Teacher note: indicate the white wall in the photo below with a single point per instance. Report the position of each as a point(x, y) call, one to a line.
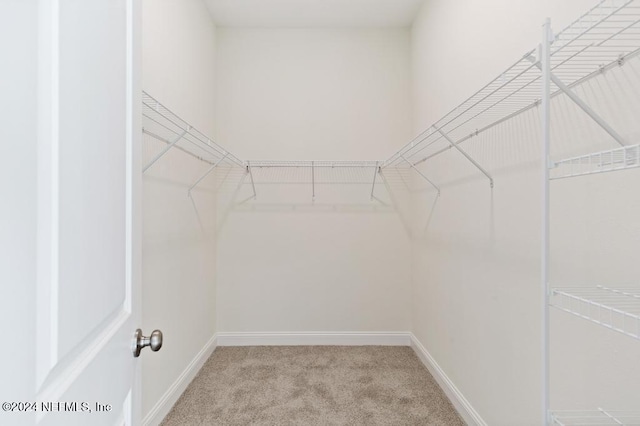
point(285, 264)
point(18, 175)
point(179, 233)
point(476, 268)
point(313, 93)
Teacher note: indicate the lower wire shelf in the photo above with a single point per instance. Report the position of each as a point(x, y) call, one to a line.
point(616, 309)
point(626, 157)
point(597, 417)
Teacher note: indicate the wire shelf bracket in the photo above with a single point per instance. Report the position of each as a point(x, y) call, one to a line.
point(313, 182)
point(421, 174)
point(467, 156)
point(582, 105)
point(253, 184)
point(166, 149)
point(375, 174)
point(206, 174)
point(251, 197)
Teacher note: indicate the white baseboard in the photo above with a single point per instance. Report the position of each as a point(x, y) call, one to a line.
point(315, 339)
point(461, 404)
point(171, 396)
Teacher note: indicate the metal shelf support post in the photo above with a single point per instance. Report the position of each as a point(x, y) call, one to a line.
point(545, 66)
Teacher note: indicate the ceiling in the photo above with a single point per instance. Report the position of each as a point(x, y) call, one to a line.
point(314, 13)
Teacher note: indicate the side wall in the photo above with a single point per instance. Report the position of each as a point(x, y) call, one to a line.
point(476, 266)
point(179, 249)
point(341, 263)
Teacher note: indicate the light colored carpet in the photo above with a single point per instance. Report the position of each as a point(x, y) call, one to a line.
point(313, 385)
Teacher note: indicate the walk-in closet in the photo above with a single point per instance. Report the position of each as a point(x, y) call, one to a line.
point(310, 212)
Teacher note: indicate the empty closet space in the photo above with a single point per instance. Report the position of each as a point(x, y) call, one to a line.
point(371, 173)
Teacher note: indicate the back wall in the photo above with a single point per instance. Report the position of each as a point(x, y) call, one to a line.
point(285, 263)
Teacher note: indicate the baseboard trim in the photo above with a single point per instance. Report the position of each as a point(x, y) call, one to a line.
point(461, 404)
point(315, 339)
point(171, 396)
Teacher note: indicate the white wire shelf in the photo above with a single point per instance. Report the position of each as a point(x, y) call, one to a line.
point(160, 123)
point(313, 172)
point(604, 37)
point(626, 157)
point(311, 163)
point(616, 309)
point(598, 417)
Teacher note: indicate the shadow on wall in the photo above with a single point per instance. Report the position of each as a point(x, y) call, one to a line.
point(278, 193)
point(170, 214)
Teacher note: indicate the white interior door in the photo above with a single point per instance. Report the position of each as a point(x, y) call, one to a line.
point(83, 309)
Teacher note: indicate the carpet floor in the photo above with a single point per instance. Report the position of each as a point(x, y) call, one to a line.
point(313, 385)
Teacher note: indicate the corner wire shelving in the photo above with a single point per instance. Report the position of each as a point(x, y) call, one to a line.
point(160, 123)
point(604, 37)
point(163, 125)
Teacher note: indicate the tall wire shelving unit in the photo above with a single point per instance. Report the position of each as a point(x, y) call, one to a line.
point(605, 37)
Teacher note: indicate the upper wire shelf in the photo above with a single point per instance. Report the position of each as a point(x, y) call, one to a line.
point(313, 172)
point(616, 309)
point(626, 157)
point(329, 164)
point(162, 124)
point(602, 38)
point(598, 417)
